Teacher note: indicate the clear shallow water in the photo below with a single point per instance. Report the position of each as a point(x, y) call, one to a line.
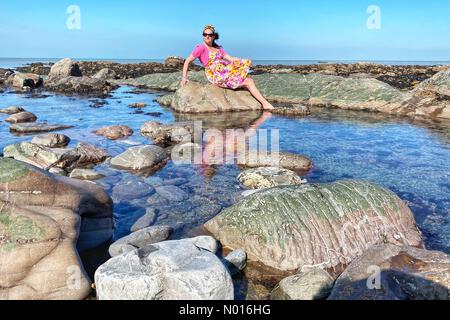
point(410, 158)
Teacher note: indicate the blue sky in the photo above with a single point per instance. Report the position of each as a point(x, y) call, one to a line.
point(297, 29)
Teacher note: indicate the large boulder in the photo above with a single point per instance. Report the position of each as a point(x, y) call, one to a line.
point(42, 218)
point(389, 272)
point(328, 225)
point(174, 62)
point(38, 255)
point(170, 270)
point(140, 158)
point(105, 74)
point(199, 98)
point(64, 68)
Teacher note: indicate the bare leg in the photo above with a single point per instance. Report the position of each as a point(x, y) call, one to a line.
point(250, 85)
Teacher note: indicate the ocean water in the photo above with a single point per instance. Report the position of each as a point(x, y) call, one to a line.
point(12, 63)
point(409, 157)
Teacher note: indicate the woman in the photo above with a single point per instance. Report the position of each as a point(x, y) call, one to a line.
point(221, 69)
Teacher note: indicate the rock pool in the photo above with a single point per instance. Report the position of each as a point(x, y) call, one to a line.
point(412, 158)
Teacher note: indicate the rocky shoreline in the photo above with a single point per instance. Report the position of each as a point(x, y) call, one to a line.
point(322, 241)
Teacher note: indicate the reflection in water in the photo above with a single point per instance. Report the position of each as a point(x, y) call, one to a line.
point(409, 157)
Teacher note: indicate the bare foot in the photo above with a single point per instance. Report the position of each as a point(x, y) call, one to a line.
point(268, 106)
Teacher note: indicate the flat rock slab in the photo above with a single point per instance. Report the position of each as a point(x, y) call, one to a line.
point(21, 117)
point(170, 270)
point(85, 174)
point(286, 160)
point(27, 128)
point(12, 110)
point(388, 272)
point(291, 227)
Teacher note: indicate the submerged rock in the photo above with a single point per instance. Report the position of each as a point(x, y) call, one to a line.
point(145, 221)
point(27, 128)
point(291, 227)
point(292, 110)
point(42, 218)
point(285, 160)
point(268, 177)
point(138, 105)
point(170, 270)
point(51, 140)
point(171, 193)
point(315, 284)
point(140, 239)
point(21, 117)
point(140, 158)
point(115, 132)
point(389, 272)
point(85, 174)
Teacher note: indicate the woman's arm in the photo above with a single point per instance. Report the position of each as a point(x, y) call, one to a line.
point(188, 61)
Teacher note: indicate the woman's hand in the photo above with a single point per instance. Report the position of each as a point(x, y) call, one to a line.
point(184, 81)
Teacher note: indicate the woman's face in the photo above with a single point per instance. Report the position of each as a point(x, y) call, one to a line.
point(209, 36)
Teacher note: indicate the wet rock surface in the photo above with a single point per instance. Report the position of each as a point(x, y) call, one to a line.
point(268, 177)
point(388, 272)
point(291, 227)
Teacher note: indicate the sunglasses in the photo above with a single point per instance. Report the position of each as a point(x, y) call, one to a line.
point(208, 35)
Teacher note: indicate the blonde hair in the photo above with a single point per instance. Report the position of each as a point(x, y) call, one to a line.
point(216, 35)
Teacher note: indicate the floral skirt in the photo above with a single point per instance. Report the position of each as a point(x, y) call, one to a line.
point(228, 74)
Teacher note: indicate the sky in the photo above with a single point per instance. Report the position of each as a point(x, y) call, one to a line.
point(409, 30)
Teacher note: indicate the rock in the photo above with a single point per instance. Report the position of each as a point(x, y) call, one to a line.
point(12, 110)
point(85, 174)
point(20, 80)
point(315, 284)
point(285, 160)
point(292, 110)
point(140, 239)
point(58, 171)
point(46, 216)
point(291, 227)
point(45, 158)
point(27, 128)
point(51, 140)
point(206, 242)
point(170, 270)
point(105, 74)
point(140, 158)
point(388, 272)
point(199, 98)
point(21, 117)
point(268, 177)
point(438, 84)
point(115, 132)
point(64, 68)
point(137, 105)
point(80, 85)
point(172, 193)
point(166, 134)
point(237, 258)
point(174, 62)
point(131, 190)
point(165, 100)
point(145, 221)
point(34, 154)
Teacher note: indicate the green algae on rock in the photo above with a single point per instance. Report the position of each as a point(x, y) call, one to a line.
point(327, 225)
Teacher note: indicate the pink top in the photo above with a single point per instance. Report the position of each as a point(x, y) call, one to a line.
point(201, 51)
